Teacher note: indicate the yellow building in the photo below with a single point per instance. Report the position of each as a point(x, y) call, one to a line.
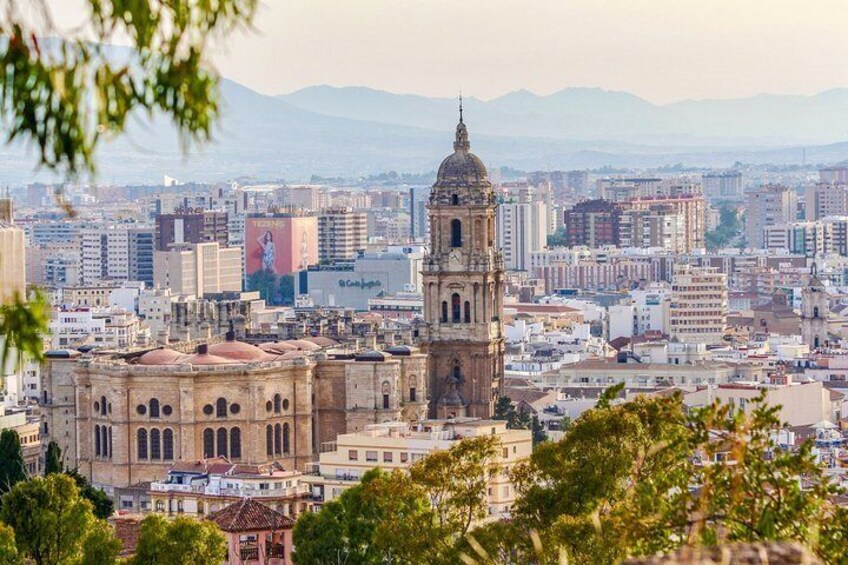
point(398, 445)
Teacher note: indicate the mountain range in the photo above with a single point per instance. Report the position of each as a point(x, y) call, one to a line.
point(356, 131)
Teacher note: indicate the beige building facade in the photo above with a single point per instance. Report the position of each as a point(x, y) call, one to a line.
point(199, 269)
point(698, 312)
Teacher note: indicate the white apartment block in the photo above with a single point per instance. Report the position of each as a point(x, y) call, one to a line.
point(342, 233)
point(102, 327)
point(397, 445)
point(522, 229)
point(825, 199)
point(698, 311)
point(199, 269)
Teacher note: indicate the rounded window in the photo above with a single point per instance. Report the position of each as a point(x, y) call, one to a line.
point(109, 406)
point(286, 404)
point(141, 409)
point(167, 410)
point(96, 406)
point(269, 406)
point(208, 409)
point(235, 408)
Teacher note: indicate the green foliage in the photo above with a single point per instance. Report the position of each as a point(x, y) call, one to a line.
point(180, 541)
point(53, 525)
point(558, 238)
point(66, 96)
point(519, 419)
point(12, 467)
point(53, 459)
point(729, 227)
point(264, 281)
point(388, 517)
point(8, 551)
point(22, 324)
point(102, 504)
point(287, 289)
point(383, 518)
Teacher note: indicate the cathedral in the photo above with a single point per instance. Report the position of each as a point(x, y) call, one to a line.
point(463, 288)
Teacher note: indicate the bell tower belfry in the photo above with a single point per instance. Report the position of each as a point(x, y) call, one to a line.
point(463, 288)
point(815, 309)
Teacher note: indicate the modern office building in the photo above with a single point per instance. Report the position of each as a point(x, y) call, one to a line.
point(189, 225)
point(199, 269)
point(342, 233)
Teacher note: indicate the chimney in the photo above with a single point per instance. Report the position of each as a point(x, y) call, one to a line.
point(203, 349)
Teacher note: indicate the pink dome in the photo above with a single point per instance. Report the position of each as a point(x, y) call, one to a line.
point(293, 355)
point(239, 351)
point(198, 359)
point(321, 341)
point(161, 357)
point(277, 347)
point(305, 345)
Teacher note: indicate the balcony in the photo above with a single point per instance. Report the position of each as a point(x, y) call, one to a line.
point(276, 551)
point(248, 551)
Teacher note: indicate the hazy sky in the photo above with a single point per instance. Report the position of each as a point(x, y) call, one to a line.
point(662, 50)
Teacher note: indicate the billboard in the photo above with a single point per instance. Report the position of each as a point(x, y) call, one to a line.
point(276, 246)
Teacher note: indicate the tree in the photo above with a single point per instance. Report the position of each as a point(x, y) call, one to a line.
point(558, 238)
point(264, 281)
point(53, 459)
point(539, 433)
point(102, 504)
point(53, 525)
point(65, 96)
point(12, 467)
point(180, 541)
point(456, 481)
point(385, 518)
point(8, 551)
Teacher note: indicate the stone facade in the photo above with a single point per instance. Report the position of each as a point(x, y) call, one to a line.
point(815, 309)
point(463, 288)
point(125, 419)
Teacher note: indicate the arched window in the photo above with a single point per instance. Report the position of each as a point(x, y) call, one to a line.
point(102, 405)
point(154, 407)
point(456, 371)
point(815, 311)
point(456, 233)
point(235, 443)
point(269, 440)
point(278, 439)
point(97, 441)
point(277, 401)
point(816, 342)
point(221, 408)
point(412, 395)
point(104, 441)
point(110, 442)
point(141, 440)
point(168, 444)
point(155, 444)
point(467, 318)
point(208, 443)
point(455, 199)
point(456, 307)
point(286, 441)
point(222, 442)
point(444, 311)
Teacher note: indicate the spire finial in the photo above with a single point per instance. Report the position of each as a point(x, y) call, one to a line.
point(460, 105)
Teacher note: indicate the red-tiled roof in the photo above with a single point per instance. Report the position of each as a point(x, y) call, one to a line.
point(247, 515)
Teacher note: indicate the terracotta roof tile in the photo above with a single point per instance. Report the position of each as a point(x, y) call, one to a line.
point(247, 515)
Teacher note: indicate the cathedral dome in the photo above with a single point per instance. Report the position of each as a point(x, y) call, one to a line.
point(462, 166)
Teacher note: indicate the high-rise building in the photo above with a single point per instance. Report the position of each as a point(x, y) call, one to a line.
point(593, 223)
point(341, 234)
point(698, 312)
point(188, 225)
point(12, 262)
point(767, 205)
point(463, 288)
point(723, 186)
point(659, 226)
point(826, 199)
point(522, 228)
point(837, 174)
point(140, 243)
point(691, 208)
point(199, 269)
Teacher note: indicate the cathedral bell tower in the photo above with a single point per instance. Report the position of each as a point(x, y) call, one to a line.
point(815, 309)
point(463, 288)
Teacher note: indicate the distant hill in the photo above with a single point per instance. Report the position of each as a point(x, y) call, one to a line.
point(594, 113)
point(354, 132)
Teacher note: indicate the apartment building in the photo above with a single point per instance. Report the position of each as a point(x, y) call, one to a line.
point(397, 445)
point(342, 233)
point(199, 269)
point(698, 311)
point(768, 205)
point(522, 227)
